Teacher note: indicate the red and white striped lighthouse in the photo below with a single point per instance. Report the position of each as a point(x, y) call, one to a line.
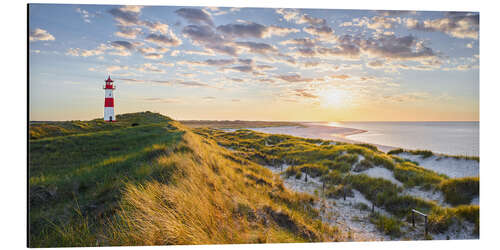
point(109, 101)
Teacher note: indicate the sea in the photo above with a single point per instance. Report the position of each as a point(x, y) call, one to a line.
point(453, 138)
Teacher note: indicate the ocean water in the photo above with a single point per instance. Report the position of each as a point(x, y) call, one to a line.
point(454, 138)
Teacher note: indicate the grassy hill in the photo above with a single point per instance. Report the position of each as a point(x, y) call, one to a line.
point(148, 180)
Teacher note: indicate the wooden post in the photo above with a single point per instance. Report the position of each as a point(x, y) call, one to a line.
point(343, 188)
point(373, 207)
point(413, 218)
point(425, 225)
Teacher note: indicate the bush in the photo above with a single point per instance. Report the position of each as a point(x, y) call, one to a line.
point(348, 158)
point(423, 153)
point(412, 175)
point(334, 177)
point(338, 191)
point(363, 165)
point(388, 225)
point(460, 191)
point(369, 146)
point(396, 151)
point(313, 170)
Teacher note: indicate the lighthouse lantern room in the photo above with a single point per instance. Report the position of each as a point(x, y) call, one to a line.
point(109, 102)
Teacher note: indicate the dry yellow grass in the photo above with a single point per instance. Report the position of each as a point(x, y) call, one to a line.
point(212, 199)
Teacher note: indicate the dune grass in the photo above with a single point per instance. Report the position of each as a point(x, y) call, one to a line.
point(332, 164)
point(158, 183)
point(460, 191)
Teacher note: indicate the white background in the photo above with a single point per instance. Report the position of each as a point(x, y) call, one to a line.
point(13, 129)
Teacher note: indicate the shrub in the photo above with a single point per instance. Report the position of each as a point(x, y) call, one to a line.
point(396, 151)
point(461, 190)
point(412, 175)
point(334, 177)
point(423, 153)
point(313, 169)
point(363, 165)
point(369, 146)
point(382, 160)
point(348, 158)
point(338, 191)
point(388, 225)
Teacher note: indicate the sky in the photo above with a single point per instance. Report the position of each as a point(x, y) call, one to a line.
point(209, 63)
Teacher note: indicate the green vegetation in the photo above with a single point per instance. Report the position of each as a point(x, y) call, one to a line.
point(412, 175)
point(423, 153)
point(236, 124)
point(38, 130)
point(427, 153)
point(460, 191)
point(148, 180)
point(156, 183)
point(388, 225)
point(333, 164)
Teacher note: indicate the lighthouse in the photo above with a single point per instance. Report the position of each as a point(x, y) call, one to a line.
point(109, 101)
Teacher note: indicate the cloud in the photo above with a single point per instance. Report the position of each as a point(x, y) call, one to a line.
point(204, 35)
point(195, 16)
point(311, 20)
point(241, 68)
point(288, 14)
point(375, 64)
point(153, 56)
point(85, 15)
point(116, 68)
point(319, 31)
point(236, 79)
point(123, 45)
point(455, 24)
point(40, 35)
point(164, 40)
point(216, 11)
point(341, 77)
point(254, 30)
point(294, 78)
point(259, 48)
point(128, 32)
point(152, 53)
point(121, 48)
point(218, 62)
point(87, 52)
point(193, 84)
point(127, 15)
point(378, 23)
point(147, 50)
point(304, 42)
point(148, 67)
point(406, 97)
point(304, 93)
point(208, 62)
point(402, 48)
point(395, 12)
point(268, 80)
point(162, 100)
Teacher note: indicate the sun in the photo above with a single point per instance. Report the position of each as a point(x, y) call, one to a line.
point(333, 97)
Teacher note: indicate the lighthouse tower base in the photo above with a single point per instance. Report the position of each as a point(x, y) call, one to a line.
point(109, 114)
